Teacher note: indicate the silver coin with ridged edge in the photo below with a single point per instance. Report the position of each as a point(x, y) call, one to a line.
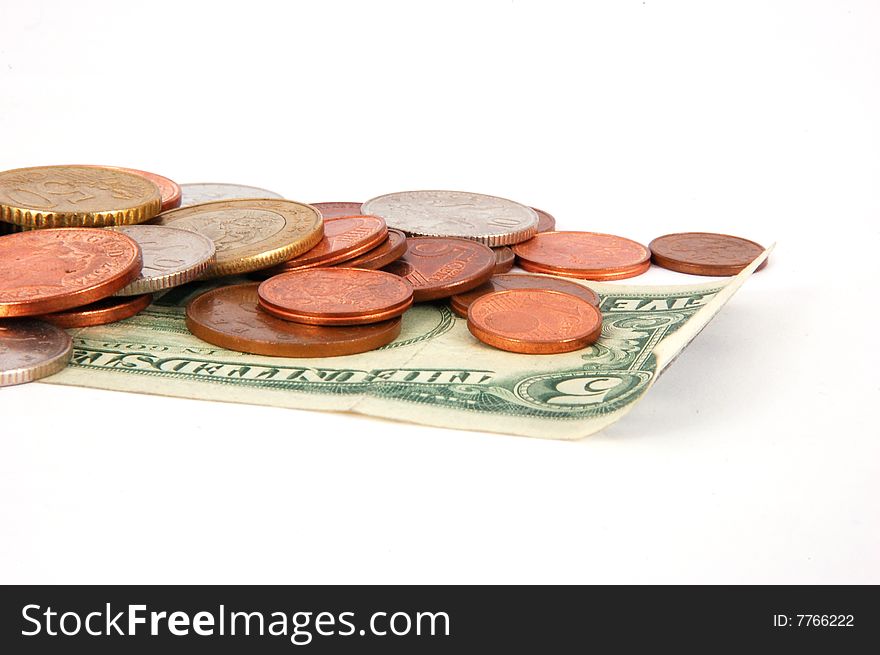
point(489, 220)
point(31, 349)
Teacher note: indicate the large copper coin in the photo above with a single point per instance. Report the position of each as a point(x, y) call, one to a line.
point(534, 321)
point(31, 349)
point(546, 222)
point(337, 209)
point(168, 189)
point(46, 271)
point(704, 253)
point(344, 238)
point(231, 317)
point(439, 267)
point(386, 252)
point(504, 259)
point(584, 255)
point(461, 302)
point(108, 310)
point(335, 296)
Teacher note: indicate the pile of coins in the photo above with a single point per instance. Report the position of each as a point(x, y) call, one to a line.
point(88, 245)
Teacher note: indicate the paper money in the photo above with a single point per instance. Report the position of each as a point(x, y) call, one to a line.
point(434, 373)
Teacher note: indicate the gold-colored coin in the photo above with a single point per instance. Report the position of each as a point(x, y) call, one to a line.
point(250, 234)
point(76, 196)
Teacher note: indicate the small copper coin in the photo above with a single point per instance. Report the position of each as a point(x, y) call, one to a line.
point(504, 259)
point(704, 253)
point(231, 317)
point(337, 209)
point(47, 271)
point(534, 321)
point(461, 302)
point(546, 222)
point(344, 238)
point(584, 255)
point(108, 310)
point(388, 251)
point(439, 267)
point(168, 189)
point(335, 296)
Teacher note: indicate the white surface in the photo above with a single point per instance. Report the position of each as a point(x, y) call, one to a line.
point(755, 458)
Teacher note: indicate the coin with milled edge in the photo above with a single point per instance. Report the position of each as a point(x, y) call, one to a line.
point(336, 296)
point(76, 196)
point(168, 189)
point(46, 271)
point(504, 259)
point(337, 209)
point(31, 349)
point(231, 317)
point(534, 321)
point(705, 253)
point(102, 312)
point(344, 238)
point(489, 220)
point(584, 255)
point(386, 252)
point(460, 302)
point(546, 222)
point(250, 235)
point(171, 257)
point(197, 193)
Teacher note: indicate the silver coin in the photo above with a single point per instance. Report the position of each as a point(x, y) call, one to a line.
point(171, 257)
point(487, 219)
point(196, 194)
point(31, 349)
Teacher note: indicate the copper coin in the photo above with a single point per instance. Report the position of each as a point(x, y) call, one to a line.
point(231, 317)
point(504, 259)
point(168, 189)
point(546, 222)
point(337, 209)
point(439, 267)
point(382, 255)
point(335, 296)
point(584, 255)
point(47, 271)
point(344, 238)
point(108, 310)
point(461, 302)
point(704, 253)
point(534, 321)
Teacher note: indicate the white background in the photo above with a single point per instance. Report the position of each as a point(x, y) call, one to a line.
point(754, 459)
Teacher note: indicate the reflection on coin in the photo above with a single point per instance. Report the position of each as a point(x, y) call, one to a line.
point(504, 259)
point(441, 267)
point(534, 321)
point(171, 257)
point(460, 302)
point(546, 222)
point(337, 209)
point(386, 252)
point(704, 253)
point(231, 317)
point(168, 189)
point(195, 194)
point(45, 271)
point(486, 219)
point(76, 196)
point(31, 349)
point(344, 238)
point(250, 234)
point(584, 255)
point(102, 312)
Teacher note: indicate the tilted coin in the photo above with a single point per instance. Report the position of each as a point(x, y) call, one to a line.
point(534, 321)
point(504, 259)
point(546, 222)
point(76, 196)
point(31, 349)
point(460, 302)
point(231, 317)
point(196, 194)
point(250, 235)
point(704, 253)
point(171, 257)
point(168, 189)
point(439, 267)
point(486, 219)
point(335, 296)
point(585, 255)
point(344, 238)
point(386, 252)
point(102, 312)
point(337, 209)
point(45, 271)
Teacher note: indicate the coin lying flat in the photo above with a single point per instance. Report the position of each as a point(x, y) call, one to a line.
point(250, 235)
point(31, 349)
point(171, 257)
point(45, 271)
point(335, 296)
point(534, 321)
point(231, 317)
point(462, 301)
point(386, 252)
point(76, 196)
point(102, 312)
point(196, 194)
point(337, 209)
point(585, 255)
point(439, 267)
point(504, 259)
point(344, 238)
point(486, 219)
point(546, 222)
point(704, 253)
point(169, 190)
